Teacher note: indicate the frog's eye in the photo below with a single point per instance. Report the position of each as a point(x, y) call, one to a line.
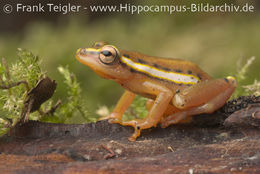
point(108, 55)
point(99, 44)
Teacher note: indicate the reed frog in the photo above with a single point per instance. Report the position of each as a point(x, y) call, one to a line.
point(177, 89)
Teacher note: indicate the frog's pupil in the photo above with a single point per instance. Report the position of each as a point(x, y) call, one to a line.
point(107, 53)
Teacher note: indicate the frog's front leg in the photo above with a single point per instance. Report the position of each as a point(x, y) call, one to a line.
point(121, 106)
point(161, 102)
point(205, 97)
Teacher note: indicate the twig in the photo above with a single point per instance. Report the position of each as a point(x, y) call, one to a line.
point(7, 72)
point(79, 108)
point(111, 152)
point(170, 148)
point(28, 110)
point(11, 85)
point(51, 110)
point(1, 80)
point(8, 76)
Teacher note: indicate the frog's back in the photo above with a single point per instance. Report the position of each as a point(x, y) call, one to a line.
point(169, 65)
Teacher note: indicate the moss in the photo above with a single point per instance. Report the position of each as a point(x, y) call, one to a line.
point(241, 77)
point(137, 109)
point(16, 84)
point(252, 89)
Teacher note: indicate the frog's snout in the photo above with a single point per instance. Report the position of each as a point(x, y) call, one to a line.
point(81, 51)
point(88, 51)
point(78, 54)
point(78, 50)
point(87, 55)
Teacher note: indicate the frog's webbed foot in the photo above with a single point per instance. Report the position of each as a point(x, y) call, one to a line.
point(116, 118)
point(134, 124)
point(180, 117)
point(156, 111)
point(112, 118)
point(138, 125)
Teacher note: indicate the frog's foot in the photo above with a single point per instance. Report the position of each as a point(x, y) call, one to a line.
point(112, 118)
point(180, 117)
point(138, 125)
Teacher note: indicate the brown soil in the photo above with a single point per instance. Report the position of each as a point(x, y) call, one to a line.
point(204, 146)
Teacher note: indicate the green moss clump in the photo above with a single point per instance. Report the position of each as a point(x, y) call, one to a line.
point(75, 106)
point(20, 78)
point(137, 109)
point(15, 82)
point(241, 76)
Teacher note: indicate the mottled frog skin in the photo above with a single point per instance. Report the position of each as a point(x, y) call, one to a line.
point(177, 89)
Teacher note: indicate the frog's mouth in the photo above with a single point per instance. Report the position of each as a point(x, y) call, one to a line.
point(87, 56)
point(90, 58)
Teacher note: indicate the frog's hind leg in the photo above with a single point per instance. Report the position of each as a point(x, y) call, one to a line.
point(149, 104)
point(205, 97)
point(169, 111)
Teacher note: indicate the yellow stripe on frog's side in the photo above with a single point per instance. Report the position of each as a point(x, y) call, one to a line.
point(161, 74)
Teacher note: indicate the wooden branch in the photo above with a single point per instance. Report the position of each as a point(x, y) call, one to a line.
point(14, 84)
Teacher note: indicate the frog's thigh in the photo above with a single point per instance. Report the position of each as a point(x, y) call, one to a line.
point(222, 88)
point(163, 98)
point(204, 92)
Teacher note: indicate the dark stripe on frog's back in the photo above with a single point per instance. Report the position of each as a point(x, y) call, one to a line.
point(167, 64)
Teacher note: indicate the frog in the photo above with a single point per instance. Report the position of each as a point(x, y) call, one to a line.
point(176, 89)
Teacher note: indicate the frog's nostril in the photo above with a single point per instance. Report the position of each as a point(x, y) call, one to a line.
point(83, 51)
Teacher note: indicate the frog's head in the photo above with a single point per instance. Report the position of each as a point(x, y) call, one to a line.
point(102, 58)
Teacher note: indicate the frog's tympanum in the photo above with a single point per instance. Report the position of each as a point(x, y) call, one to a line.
point(177, 89)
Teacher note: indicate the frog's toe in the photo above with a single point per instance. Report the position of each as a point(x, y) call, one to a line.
point(132, 138)
point(135, 134)
point(164, 124)
point(111, 117)
point(180, 117)
point(138, 125)
point(132, 123)
point(103, 118)
point(114, 120)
